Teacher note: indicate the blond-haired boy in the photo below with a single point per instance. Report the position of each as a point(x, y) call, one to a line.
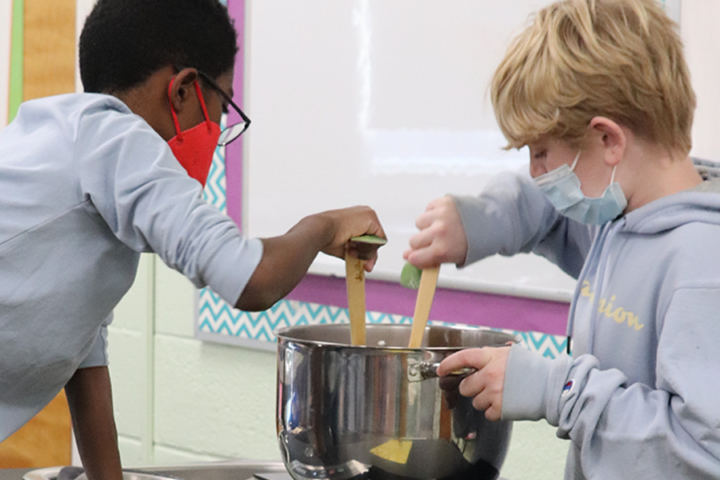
point(600, 92)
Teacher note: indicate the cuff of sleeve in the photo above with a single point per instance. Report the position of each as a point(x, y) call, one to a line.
point(97, 357)
point(231, 268)
point(533, 386)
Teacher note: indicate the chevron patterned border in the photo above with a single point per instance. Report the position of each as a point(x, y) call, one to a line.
point(217, 321)
point(220, 322)
point(215, 187)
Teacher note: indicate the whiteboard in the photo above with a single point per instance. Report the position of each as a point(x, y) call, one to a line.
point(383, 103)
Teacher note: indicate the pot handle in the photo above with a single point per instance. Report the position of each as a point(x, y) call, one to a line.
point(424, 371)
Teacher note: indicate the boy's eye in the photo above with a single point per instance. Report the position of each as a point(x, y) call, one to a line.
point(539, 155)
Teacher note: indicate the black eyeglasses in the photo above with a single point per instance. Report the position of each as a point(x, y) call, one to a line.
point(231, 132)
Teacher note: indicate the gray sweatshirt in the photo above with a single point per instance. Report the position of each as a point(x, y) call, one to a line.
point(85, 186)
point(640, 396)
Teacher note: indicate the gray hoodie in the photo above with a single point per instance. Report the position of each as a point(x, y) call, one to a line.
point(640, 397)
point(85, 186)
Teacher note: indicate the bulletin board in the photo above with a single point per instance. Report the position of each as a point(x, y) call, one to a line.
point(217, 321)
point(386, 104)
point(382, 104)
point(244, 182)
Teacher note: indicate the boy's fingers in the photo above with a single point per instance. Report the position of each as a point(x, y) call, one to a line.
point(472, 385)
point(425, 220)
point(471, 357)
point(493, 413)
point(423, 258)
point(481, 401)
point(436, 203)
point(483, 396)
point(421, 239)
point(370, 264)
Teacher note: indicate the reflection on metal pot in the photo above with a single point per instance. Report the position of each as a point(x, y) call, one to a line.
point(379, 411)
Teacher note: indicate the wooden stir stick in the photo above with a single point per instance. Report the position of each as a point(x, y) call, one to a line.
point(423, 302)
point(364, 247)
point(424, 281)
point(355, 281)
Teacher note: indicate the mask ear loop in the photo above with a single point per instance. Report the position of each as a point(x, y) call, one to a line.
point(202, 103)
point(612, 178)
point(577, 157)
point(172, 110)
point(174, 115)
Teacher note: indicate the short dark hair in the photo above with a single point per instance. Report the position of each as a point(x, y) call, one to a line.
point(123, 42)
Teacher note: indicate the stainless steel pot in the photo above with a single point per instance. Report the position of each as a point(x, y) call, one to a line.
point(380, 411)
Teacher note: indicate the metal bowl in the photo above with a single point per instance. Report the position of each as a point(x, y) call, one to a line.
point(380, 411)
point(225, 470)
point(76, 473)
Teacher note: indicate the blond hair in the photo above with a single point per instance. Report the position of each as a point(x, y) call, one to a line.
point(620, 59)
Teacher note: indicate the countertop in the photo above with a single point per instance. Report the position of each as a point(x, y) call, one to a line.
point(13, 473)
point(17, 473)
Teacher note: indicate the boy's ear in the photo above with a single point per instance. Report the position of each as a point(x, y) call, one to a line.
point(609, 136)
point(182, 88)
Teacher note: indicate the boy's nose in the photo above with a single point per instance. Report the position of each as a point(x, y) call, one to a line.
point(537, 169)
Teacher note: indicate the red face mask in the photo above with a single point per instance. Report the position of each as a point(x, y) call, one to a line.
point(194, 148)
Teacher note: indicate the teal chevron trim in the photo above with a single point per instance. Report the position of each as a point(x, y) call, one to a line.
point(220, 320)
point(217, 318)
point(214, 192)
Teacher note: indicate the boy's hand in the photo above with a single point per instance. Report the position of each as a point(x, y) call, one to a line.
point(348, 223)
point(286, 258)
point(441, 238)
point(485, 385)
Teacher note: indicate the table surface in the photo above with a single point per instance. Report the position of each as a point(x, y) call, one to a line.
point(14, 473)
point(17, 473)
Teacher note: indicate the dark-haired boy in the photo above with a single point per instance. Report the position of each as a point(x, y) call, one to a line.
point(88, 181)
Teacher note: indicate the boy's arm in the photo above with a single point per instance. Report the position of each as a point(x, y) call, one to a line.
point(90, 400)
point(512, 216)
point(286, 258)
point(129, 177)
point(666, 430)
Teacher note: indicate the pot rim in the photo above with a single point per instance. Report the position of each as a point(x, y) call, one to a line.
point(282, 336)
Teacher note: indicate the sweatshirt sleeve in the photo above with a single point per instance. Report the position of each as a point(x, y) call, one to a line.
point(667, 430)
point(512, 216)
point(128, 176)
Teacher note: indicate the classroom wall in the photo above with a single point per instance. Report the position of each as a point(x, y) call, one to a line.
point(181, 400)
point(178, 399)
point(702, 48)
point(209, 401)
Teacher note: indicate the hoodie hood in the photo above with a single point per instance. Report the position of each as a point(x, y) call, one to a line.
point(699, 204)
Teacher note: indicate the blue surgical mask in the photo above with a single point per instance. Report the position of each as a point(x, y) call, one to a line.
point(562, 187)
